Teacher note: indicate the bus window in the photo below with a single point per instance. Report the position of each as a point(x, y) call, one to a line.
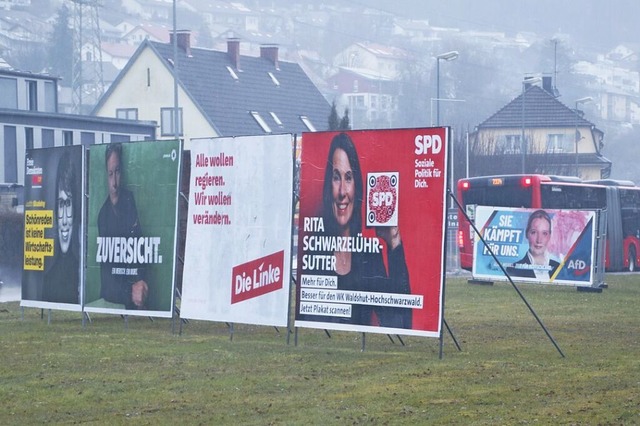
point(630, 212)
point(555, 196)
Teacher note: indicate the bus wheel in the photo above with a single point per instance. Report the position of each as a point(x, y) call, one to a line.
point(632, 259)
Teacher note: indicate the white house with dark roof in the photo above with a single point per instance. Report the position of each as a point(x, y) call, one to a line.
point(557, 139)
point(220, 93)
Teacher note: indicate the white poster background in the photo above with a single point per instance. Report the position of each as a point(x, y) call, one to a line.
point(253, 222)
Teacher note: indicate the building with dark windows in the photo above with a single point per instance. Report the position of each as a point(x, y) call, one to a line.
point(29, 119)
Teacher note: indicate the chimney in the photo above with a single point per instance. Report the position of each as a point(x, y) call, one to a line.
point(270, 52)
point(547, 83)
point(184, 40)
point(233, 50)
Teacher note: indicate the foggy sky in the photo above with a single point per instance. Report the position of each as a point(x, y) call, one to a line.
point(593, 24)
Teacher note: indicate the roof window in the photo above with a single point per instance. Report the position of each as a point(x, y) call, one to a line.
point(308, 123)
point(232, 73)
point(263, 124)
point(276, 119)
point(274, 79)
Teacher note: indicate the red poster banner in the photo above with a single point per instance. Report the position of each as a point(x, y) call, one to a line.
point(257, 277)
point(371, 230)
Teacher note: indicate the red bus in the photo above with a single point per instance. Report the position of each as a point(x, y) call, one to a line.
point(620, 200)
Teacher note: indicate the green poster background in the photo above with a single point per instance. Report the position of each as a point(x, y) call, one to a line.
point(151, 173)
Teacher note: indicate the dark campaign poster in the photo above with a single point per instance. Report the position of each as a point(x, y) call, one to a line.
point(371, 231)
point(131, 227)
point(53, 228)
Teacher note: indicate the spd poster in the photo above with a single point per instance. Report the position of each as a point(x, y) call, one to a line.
point(132, 227)
point(535, 245)
point(371, 231)
point(53, 228)
point(238, 250)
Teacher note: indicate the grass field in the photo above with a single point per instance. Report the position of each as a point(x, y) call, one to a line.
point(508, 371)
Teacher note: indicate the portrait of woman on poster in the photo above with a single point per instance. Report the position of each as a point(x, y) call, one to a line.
point(537, 262)
point(62, 280)
point(342, 202)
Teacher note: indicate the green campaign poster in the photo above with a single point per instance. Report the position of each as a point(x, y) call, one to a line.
point(132, 227)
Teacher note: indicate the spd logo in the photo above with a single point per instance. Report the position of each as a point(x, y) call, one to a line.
point(382, 199)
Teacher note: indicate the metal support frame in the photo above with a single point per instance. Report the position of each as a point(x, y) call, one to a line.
point(506, 274)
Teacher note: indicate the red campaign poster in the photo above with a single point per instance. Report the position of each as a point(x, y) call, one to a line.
point(371, 230)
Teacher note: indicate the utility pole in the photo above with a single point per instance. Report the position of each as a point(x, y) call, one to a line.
point(87, 80)
point(555, 64)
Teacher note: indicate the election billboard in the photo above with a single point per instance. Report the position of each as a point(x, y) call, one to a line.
point(544, 246)
point(239, 230)
point(132, 227)
point(53, 228)
point(371, 231)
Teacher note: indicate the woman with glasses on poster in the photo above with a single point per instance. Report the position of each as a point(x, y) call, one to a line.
point(62, 280)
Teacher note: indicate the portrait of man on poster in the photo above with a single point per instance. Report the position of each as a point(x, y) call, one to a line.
point(121, 284)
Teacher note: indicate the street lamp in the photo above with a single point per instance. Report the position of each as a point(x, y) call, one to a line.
point(578, 137)
point(523, 144)
point(176, 116)
point(447, 56)
point(432, 100)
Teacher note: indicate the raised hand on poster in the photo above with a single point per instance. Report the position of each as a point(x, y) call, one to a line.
point(390, 235)
point(139, 291)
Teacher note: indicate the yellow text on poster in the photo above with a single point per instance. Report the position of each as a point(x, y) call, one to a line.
point(36, 246)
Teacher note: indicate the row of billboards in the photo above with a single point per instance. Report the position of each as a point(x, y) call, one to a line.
point(101, 230)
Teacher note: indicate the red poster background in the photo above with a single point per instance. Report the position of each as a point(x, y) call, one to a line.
point(421, 210)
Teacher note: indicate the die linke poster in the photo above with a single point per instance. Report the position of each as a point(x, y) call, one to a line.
point(544, 246)
point(238, 248)
point(371, 231)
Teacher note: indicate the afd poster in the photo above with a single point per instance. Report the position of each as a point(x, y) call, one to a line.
point(535, 245)
point(238, 250)
point(371, 231)
point(53, 228)
point(132, 227)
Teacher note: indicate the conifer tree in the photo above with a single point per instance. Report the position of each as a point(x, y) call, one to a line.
point(60, 49)
point(344, 122)
point(334, 120)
